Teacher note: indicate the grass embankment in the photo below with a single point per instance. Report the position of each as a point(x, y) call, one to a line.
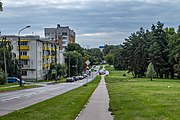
point(142, 99)
point(13, 87)
point(63, 107)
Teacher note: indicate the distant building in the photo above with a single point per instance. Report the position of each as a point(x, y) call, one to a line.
point(36, 55)
point(101, 47)
point(61, 35)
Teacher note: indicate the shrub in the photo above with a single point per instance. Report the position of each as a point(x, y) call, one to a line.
point(3, 77)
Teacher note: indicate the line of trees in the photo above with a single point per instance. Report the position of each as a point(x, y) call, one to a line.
point(76, 56)
point(159, 46)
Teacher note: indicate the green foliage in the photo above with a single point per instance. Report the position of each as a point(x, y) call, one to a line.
point(74, 63)
point(3, 77)
point(109, 59)
point(150, 71)
point(141, 99)
point(95, 54)
point(108, 49)
point(11, 61)
point(1, 8)
point(159, 46)
point(57, 70)
point(74, 47)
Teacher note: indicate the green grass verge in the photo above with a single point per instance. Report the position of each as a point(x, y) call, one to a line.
point(142, 99)
point(8, 84)
point(63, 107)
point(7, 89)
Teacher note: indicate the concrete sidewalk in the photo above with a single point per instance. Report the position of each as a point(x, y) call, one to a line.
point(97, 108)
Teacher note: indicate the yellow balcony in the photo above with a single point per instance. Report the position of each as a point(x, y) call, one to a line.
point(48, 65)
point(53, 49)
point(46, 48)
point(24, 40)
point(53, 57)
point(23, 57)
point(44, 65)
point(22, 47)
point(46, 57)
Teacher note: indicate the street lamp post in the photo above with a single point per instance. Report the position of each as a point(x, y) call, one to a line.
point(19, 45)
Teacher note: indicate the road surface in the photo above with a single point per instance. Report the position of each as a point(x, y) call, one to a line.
point(15, 100)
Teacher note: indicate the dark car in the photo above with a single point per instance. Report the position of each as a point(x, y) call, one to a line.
point(14, 80)
point(81, 77)
point(76, 78)
point(70, 79)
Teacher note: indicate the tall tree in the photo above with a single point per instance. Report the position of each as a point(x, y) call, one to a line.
point(1, 8)
point(137, 54)
point(11, 61)
point(160, 57)
point(74, 63)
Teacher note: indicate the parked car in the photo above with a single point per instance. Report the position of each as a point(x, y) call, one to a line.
point(70, 79)
point(76, 78)
point(85, 75)
point(81, 77)
point(102, 72)
point(14, 80)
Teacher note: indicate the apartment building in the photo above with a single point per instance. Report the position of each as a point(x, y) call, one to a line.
point(36, 55)
point(62, 35)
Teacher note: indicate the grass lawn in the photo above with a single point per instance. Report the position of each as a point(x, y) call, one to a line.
point(63, 107)
point(142, 99)
point(7, 88)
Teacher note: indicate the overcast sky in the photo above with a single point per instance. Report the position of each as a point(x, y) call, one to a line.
point(96, 22)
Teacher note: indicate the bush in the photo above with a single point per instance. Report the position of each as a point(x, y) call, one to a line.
point(124, 74)
point(3, 77)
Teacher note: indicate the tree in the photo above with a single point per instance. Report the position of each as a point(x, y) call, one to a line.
point(95, 54)
point(150, 71)
point(74, 46)
point(174, 50)
point(3, 77)
point(109, 58)
point(1, 8)
point(74, 63)
point(159, 50)
point(11, 61)
point(136, 47)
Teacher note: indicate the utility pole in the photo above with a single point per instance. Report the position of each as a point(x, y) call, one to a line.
point(19, 46)
point(69, 66)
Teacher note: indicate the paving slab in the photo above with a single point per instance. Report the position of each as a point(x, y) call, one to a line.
point(97, 107)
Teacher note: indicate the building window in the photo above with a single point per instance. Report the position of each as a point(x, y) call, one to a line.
point(64, 38)
point(24, 73)
point(23, 53)
point(64, 42)
point(25, 62)
point(64, 33)
point(23, 43)
point(47, 34)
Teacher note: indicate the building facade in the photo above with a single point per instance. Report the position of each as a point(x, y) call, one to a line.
point(62, 36)
point(36, 55)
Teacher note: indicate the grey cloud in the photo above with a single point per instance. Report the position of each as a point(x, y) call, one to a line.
point(88, 17)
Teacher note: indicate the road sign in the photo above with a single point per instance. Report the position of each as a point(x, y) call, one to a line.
point(87, 62)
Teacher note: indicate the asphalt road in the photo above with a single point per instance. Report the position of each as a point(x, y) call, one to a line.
point(15, 100)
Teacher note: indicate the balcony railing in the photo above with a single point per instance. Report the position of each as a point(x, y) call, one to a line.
point(46, 57)
point(46, 48)
point(23, 47)
point(53, 57)
point(23, 57)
